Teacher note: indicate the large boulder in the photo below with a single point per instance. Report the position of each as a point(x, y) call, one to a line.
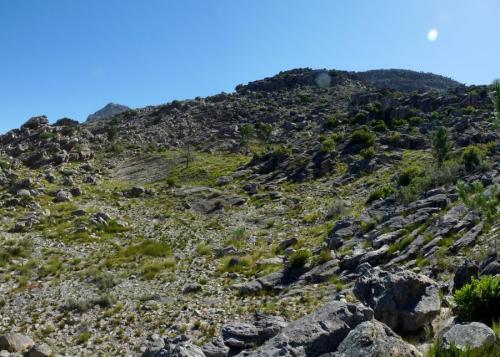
point(35, 122)
point(176, 347)
point(15, 342)
point(316, 334)
point(216, 348)
point(464, 274)
point(405, 301)
point(373, 338)
point(240, 335)
point(41, 350)
point(468, 336)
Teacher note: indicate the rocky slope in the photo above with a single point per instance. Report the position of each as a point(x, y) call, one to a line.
point(301, 215)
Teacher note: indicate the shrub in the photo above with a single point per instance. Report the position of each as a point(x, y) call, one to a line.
point(479, 300)
point(379, 126)
point(432, 177)
point(150, 248)
point(299, 258)
point(117, 148)
point(152, 269)
point(331, 123)
point(360, 117)
point(363, 138)
point(415, 121)
point(472, 157)
point(395, 138)
point(381, 192)
point(337, 209)
point(368, 153)
point(409, 174)
point(328, 146)
point(203, 249)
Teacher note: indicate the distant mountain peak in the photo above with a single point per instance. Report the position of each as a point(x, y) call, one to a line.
point(109, 110)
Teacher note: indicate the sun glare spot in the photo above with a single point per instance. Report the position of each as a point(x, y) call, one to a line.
point(433, 35)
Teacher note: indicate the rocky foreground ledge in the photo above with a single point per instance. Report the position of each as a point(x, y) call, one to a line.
point(392, 302)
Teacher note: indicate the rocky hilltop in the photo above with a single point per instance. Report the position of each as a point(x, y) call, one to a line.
point(108, 111)
point(313, 213)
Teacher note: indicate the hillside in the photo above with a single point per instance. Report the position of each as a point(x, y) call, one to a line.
point(300, 215)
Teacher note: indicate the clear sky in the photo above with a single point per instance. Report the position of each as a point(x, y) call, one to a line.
point(71, 57)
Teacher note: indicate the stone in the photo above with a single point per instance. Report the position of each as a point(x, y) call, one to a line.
point(50, 178)
point(464, 274)
point(137, 191)
point(387, 238)
point(35, 122)
point(468, 336)
point(216, 348)
point(63, 196)
point(23, 193)
point(15, 342)
point(318, 333)
point(404, 301)
point(251, 188)
point(240, 335)
point(76, 191)
point(249, 288)
point(191, 288)
point(268, 325)
point(468, 239)
point(287, 243)
point(492, 268)
point(40, 350)
point(373, 338)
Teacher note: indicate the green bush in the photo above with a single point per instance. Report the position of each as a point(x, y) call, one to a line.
point(328, 146)
point(368, 153)
point(331, 123)
point(117, 148)
point(409, 174)
point(299, 258)
point(479, 300)
point(379, 126)
point(363, 138)
point(360, 117)
point(381, 192)
point(472, 157)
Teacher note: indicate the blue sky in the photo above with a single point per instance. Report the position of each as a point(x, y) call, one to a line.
point(71, 57)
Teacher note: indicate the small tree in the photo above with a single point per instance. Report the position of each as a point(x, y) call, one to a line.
point(264, 131)
point(495, 98)
point(112, 133)
point(247, 131)
point(441, 145)
point(188, 145)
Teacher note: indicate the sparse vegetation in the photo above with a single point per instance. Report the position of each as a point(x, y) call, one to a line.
point(479, 300)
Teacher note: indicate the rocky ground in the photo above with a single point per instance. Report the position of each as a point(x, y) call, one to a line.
point(301, 215)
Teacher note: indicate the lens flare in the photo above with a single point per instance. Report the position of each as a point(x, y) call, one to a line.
point(433, 35)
